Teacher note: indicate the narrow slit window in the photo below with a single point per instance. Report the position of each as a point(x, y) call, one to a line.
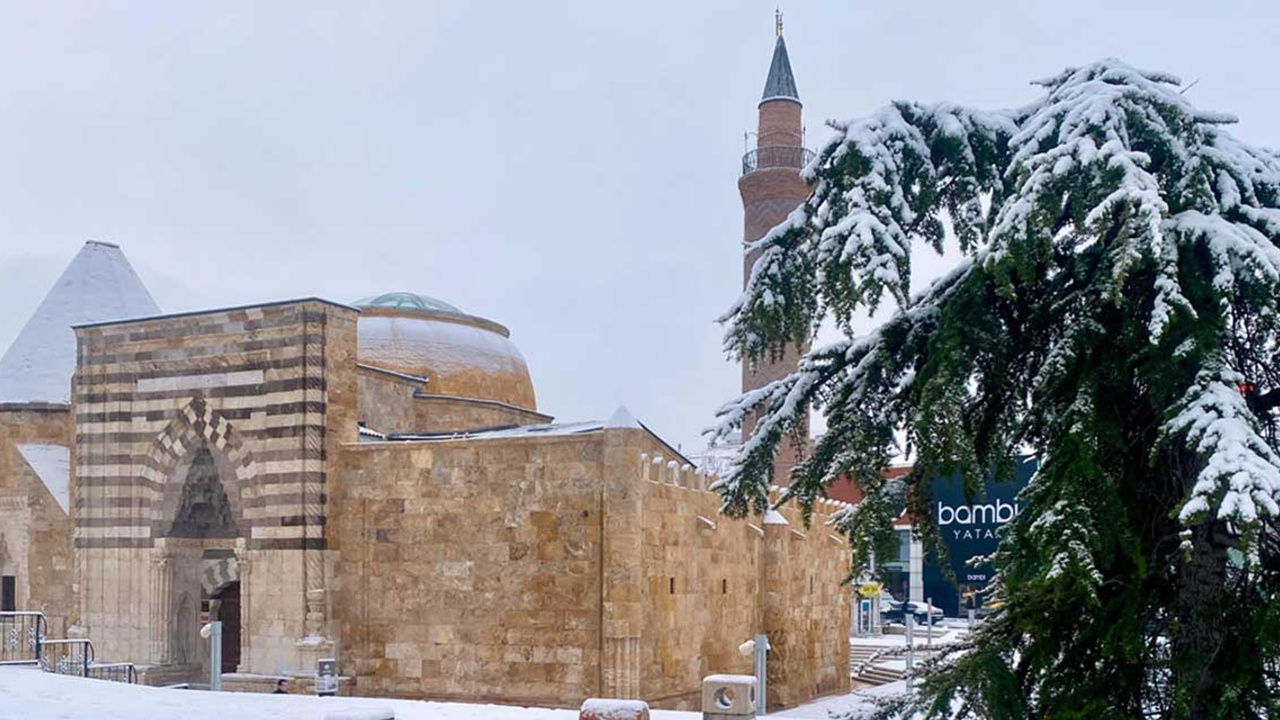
point(8, 593)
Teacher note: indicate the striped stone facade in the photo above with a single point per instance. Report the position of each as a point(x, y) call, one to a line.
point(267, 392)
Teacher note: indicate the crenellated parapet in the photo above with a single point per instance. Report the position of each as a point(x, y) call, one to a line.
point(657, 469)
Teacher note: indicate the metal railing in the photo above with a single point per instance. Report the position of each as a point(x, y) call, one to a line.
point(22, 634)
point(115, 672)
point(23, 641)
point(72, 656)
point(776, 156)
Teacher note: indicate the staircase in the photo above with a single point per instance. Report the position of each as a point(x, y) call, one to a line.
point(866, 661)
point(863, 667)
point(23, 641)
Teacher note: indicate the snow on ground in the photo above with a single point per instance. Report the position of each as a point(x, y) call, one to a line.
point(28, 694)
point(862, 700)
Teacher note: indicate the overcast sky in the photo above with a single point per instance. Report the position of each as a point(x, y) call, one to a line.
point(565, 168)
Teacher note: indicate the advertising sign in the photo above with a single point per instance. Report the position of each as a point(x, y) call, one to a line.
point(327, 677)
point(968, 528)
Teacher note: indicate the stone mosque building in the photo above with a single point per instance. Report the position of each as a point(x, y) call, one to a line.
point(375, 482)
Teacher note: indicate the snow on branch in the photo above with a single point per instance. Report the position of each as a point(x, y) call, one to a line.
point(1241, 474)
point(1104, 196)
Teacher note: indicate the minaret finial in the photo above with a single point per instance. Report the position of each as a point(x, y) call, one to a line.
point(777, 14)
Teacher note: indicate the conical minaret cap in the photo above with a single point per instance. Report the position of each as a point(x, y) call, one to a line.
point(781, 84)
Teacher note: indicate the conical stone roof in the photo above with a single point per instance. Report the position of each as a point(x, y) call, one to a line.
point(97, 286)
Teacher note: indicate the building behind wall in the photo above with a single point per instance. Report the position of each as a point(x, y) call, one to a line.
point(377, 483)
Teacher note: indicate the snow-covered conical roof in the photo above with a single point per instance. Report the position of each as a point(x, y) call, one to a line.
point(97, 286)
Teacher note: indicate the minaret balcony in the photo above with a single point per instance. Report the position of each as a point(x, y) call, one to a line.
point(776, 156)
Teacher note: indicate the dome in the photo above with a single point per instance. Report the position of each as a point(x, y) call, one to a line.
point(408, 301)
point(461, 355)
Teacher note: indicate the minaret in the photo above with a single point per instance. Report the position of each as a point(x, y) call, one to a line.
point(771, 188)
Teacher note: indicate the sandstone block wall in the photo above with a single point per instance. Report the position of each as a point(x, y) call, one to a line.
point(35, 532)
point(470, 570)
point(806, 611)
point(702, 586)
point(713, 582)
point(545, 570)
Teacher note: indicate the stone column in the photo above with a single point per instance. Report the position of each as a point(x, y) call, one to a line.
point(161, 608)
point(243, 572)
point(622, 519)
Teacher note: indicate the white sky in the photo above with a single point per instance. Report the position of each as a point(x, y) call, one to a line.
point(566, 168)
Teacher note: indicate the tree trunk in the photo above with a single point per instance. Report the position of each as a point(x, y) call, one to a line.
point(1199, 630)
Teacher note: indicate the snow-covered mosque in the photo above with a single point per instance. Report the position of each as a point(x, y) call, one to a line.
point(375, 482)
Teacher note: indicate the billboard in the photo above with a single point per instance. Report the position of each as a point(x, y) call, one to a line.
point(967, 528)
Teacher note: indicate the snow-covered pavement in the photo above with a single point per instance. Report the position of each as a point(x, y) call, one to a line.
point(863, 700)
point(28, 694)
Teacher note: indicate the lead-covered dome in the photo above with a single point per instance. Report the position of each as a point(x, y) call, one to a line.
point(461, 355)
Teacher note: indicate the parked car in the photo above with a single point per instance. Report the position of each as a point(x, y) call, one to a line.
point(897, 612)
point(923, 611)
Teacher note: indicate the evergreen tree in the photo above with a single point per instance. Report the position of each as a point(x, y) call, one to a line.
point(1115, 314)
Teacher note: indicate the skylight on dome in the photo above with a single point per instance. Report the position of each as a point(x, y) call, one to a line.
point(408, 301)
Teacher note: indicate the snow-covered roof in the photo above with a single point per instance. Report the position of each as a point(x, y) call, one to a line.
point(542, 430)
point(622, 418)
point(98, 285)
point(52, 464)
point(363, 432)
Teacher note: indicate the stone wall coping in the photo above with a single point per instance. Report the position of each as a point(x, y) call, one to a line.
point(39, 407)
point(484, 402)
point(417, 379)
point(211, 311)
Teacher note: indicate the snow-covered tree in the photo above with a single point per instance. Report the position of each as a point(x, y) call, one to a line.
point(1115, 314)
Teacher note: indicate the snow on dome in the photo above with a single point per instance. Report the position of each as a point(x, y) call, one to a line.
point(408, 301)
point(97, 286)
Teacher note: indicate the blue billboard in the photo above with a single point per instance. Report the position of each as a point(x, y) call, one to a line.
point(968, 528)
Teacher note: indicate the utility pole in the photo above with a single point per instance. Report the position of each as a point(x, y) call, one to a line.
point(928, 639)
point(911, 644)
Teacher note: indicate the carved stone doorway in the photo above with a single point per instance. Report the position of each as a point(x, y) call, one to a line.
point(226, 607)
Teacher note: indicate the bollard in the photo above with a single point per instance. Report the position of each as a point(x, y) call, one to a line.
point(728, 697)
point(762, 672)
point(213, 633)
